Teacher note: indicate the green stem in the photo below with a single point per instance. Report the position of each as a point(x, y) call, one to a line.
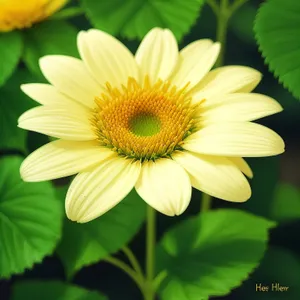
point(160, 278)
point(213, 5)
point(131, 273)
point(206, 202)
point(67, 13)
point(132, 259)
point(236, 5)
point(222, 26)
point(223, 13)
point(150, 253)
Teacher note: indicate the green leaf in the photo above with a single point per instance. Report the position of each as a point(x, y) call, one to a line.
point(134, 18)
point(286, 204)
point(278, 266)
point(277, 28)
point(30, 220)
point(13, 103)
point(11, 45)
point(52, 290)
point(85, 244)
point(211, 254)
point(51, 37)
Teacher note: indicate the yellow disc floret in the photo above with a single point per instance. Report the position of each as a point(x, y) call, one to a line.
point(144, 121)
point(19, 14)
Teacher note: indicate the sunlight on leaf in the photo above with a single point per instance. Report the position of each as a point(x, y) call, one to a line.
point(30, 219)
point(277, 28)
point(211, 254)
point(134, 18)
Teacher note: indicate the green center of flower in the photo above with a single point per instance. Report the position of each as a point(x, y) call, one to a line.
point(145, 124)
point(144, 121)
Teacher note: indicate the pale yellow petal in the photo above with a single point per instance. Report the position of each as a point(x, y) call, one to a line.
point(60, 121)
point(195, 62)
point(45, 94)
point(199, 46)
point(242, 139)
point(165, 186)
point(106, 57)
point(225, 80)
point(216, 176)
point(91, 194)
point(70, 77)
point(62, 158)
point(157, 54)
point(238, 107)
point(242, 165)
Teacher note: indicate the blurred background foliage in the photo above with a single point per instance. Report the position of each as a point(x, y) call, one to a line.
point(276, 194)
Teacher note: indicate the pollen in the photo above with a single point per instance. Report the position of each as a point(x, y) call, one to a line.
point(144, 121)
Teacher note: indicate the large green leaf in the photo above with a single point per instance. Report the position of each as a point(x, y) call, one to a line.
point(84, 244)
point(51, 37)
point(52, 290)
point(30, 219)
point(211, 254)
point(277, 30)
point(286, 204)
point(134, 18)
point(11, 45)
point(13, 102)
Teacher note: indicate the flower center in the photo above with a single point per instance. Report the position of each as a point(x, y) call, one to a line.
point(145, 124)
point(18, 14)
point(144, 121)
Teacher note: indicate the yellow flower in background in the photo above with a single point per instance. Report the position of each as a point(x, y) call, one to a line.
point(160, 122)
point(19, 14)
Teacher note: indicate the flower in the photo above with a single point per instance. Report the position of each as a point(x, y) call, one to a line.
point(19, 14)
point(160, 122)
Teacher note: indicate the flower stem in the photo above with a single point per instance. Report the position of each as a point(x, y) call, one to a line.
point(206, 202)
point(223, 16)
point(150, 253)
point(123, 266)
point(68, 13)
point(223, 12)
point(160, 278)
point(236, 5)
point(132, 259)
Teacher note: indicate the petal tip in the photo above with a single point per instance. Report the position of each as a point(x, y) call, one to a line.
point(25, 173)
point(75, 216)
point(243, 198)
point(250, 174)
point(44, 61)
point(23, 88)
